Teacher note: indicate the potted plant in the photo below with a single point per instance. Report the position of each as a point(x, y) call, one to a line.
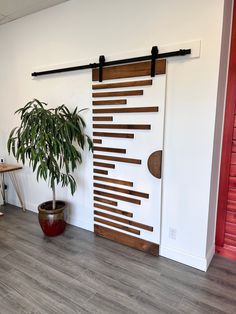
point(51, 140)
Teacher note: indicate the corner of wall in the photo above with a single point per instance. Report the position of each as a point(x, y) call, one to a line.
point(219, 124)
point(185, 258)
point(210, 254)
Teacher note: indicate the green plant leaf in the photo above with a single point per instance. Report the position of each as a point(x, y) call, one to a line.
point(51, 139)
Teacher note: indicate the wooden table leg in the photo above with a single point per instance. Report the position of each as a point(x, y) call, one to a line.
point(17, 188)
point(2, 189)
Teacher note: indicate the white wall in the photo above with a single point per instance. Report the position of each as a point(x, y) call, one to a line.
point(80, 31)
point(221, 97)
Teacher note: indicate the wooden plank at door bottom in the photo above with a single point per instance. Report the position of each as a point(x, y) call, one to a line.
point(128, 240)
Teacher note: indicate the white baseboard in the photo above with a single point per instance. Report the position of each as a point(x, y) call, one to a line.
point(31, 207)
point(200, 263)
point(81, 223)
point(84, 224)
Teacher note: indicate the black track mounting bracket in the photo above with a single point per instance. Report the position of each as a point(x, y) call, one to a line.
point(101, 64)
point(154, 53)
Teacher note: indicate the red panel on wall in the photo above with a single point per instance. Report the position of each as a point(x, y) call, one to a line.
point(226, 216)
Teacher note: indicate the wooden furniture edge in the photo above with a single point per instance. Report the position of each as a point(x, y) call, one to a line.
point(128, 240)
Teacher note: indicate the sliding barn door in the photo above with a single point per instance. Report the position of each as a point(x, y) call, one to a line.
point(128, 124)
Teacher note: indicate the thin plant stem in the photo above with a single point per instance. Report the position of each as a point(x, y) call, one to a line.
point(53, 196)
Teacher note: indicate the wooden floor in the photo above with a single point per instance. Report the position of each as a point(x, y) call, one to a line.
point(81, 273)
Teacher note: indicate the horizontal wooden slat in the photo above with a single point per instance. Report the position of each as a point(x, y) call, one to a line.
point(123, 220)
point(116, 225)
point(120, 93)
point(109, 149)
point(232, 195)
point(128, 240)
point(230, 228)
point(227, 251)
point(100, 171)
point(120, 190)
point(113, 210)
point(232, 182)
point(103, 118)
point(234, 134)
point(97, 141)
point(231, 217)
point(116, 181)
point(105, 200)
point(231, 205)
point(118, 197)
point(120, 159)
point(110, 102)
point(234, 147)
point(104, 164)
point(126, 110)
point(233, 159)
point(230, 236)
point(110, 134)
point(233, 171)
point(130, 70)
point(123, 126)
point(230, 242)
point(123, 84)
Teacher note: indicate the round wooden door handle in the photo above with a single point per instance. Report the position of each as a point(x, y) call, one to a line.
point(154, 163)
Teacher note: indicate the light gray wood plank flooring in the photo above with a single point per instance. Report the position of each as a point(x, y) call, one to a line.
point(78, 272)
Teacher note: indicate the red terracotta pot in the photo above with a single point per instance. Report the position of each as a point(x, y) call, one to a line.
point(52, 221)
